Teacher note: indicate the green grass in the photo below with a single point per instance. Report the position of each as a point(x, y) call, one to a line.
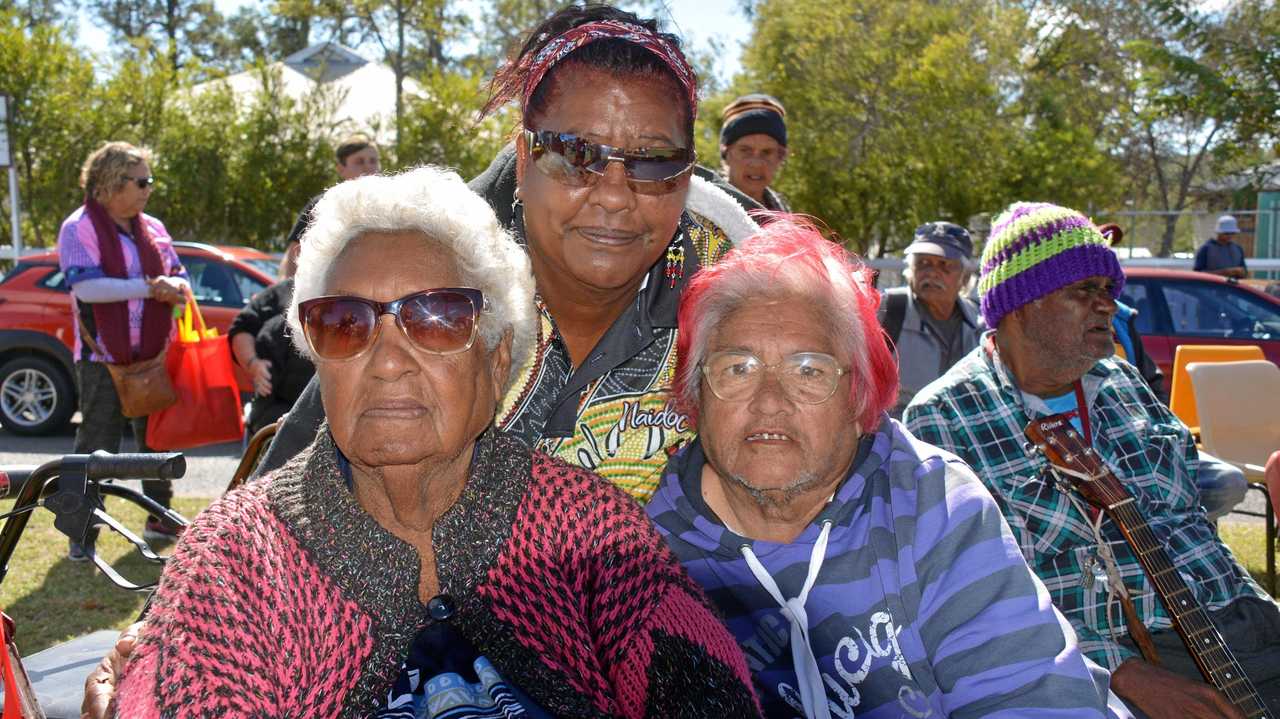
point(53, 599)
point(1248, 541)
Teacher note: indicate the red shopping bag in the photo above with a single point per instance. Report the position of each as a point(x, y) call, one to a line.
point(208, 408)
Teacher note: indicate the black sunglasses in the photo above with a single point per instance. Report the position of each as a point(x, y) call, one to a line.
point(571, 160)
point(142, 182)
point(439, 321)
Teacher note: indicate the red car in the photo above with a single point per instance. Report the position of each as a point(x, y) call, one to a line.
point(37, 385)
point(1177, 307)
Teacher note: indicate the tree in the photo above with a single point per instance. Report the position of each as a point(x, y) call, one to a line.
point(1239, 50)
point(257, 33)
point(54, 122)
point(411, 35)
point(60, 13)
point(183, 32)
point(902, 125)
point(441, 128)
point(1065, 118)
point(1190, 94)
point(238, 172)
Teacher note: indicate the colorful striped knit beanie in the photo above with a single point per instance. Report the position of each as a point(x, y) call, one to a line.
point(1036, 249)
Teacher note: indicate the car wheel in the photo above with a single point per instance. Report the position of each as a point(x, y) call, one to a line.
point(36, 396)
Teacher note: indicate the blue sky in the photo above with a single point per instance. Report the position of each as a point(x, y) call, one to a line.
point(697, 21)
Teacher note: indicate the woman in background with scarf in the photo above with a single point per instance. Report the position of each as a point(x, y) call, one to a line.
point(125, 281)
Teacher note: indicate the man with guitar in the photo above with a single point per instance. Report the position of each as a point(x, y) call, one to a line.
point(1143, 571)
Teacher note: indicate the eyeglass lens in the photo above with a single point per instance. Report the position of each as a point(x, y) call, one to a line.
point(808, 377)
point(441, 321)
point(573, 161)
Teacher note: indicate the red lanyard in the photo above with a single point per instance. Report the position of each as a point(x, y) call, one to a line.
point(1082, 411)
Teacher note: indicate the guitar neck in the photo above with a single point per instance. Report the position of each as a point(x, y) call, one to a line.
point(1204, 643)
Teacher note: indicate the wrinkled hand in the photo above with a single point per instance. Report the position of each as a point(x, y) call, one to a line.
point(260, 372)
point(100, 687)
point(168, 290)
point(1161, 693)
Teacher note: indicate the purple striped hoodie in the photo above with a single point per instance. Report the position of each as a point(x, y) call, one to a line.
point(922, 606)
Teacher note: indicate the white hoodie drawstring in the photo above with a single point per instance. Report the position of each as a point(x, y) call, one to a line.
point(812, 695)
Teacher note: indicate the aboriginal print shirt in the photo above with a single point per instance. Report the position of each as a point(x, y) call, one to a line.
point(614, 415)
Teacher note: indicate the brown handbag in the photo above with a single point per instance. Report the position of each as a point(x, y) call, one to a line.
point(143, 387)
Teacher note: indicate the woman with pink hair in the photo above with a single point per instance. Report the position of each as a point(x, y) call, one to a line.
point(861, 570)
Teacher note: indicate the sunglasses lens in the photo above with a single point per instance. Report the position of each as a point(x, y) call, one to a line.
point(575, 162)
point(442, 322)
point(659, 166)
point(563, 158)
point(657, 177)
point(338, 328)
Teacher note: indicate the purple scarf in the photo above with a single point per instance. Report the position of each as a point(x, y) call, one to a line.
point(111, 319)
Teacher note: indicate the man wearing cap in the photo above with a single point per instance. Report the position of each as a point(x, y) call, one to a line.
point(753, 146)
point(1220, 255)
point(930, 323)
point(1048, 286)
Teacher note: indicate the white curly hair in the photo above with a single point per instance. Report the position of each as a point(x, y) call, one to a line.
point(439, 204)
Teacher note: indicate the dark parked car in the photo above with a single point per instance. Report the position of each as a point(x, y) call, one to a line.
point(37, 386)
point(1177, 307)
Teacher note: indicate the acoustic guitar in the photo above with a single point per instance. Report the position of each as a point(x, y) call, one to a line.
point(1066, 450)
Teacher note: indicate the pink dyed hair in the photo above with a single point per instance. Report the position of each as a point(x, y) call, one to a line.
point(789, 259)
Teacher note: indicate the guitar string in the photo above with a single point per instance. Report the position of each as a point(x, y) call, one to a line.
point(1196, 623)
point(1238, 689)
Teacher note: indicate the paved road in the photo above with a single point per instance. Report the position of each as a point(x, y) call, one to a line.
point(208, 468)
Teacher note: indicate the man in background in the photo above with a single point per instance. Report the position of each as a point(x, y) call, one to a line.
point(258, 340)
point(356, 156)
point(753, 146)
point(1221, 255)
point(929, 322)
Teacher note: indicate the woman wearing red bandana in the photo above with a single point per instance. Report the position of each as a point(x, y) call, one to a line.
point(125, 279)
point(555, 595)
point(599, 188)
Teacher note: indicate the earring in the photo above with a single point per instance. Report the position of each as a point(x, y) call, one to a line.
point(675, 263)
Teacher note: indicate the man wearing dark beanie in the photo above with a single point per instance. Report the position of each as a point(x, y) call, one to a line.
point(753, 146)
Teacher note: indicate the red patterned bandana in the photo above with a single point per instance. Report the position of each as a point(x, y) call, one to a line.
point(560, 47)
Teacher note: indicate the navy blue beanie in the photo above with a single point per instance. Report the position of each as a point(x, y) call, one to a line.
point(755, 114)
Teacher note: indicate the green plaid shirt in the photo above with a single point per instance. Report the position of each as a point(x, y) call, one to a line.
point(976, 411)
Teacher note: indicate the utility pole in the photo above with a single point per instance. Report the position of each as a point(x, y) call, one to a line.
point(6, 160)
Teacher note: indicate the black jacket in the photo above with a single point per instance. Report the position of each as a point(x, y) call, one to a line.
point(264, 319)
point(626, 366)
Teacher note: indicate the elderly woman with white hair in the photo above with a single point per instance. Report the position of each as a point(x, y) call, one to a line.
point(863, 572)
point(413, 561)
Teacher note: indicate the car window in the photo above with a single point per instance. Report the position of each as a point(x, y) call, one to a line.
point(247, 285)
point(1219, 310)
point(212, 283)
point(55, 280)
point(269, 267)
point(17, 270)
point(1137, 296)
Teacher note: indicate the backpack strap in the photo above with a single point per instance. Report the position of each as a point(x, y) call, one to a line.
point(895, 313)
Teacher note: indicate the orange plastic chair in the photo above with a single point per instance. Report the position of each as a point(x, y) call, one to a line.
point(1182, 396)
